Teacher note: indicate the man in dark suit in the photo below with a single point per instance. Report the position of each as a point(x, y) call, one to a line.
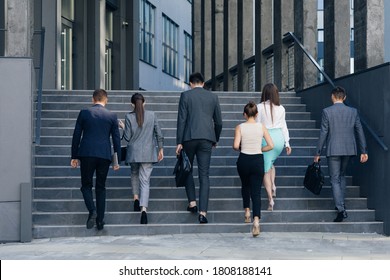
point(340, 127)
point(199, 125)
point(91, 149)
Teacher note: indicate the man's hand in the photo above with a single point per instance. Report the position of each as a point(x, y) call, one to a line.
point(74, 163)
point(363, 158)
point(288, 151)
point(178, 149)
point(121, 124)
point(116, 167)
point(316, 158)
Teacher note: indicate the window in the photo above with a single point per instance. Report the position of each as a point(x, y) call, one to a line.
point(108, 51)
point(147, 20)
point(320, 5)
point(269, 69)
point(251, 77)
point(2, 27)
point(67, 18)
point(187, 57)
point(170, 46)
point(291, 73)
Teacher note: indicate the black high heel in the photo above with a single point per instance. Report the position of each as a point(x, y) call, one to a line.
point(144, 218)
point(137, 208)
point(203, 219)
point(192, 209)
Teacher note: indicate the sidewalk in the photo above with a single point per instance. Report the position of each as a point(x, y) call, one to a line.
point(235, 246)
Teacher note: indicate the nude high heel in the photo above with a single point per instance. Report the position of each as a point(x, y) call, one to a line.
point(247, 216)
point(256, 228)
point(271, 205)
point(273, 191)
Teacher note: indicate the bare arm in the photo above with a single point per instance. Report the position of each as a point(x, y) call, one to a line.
point(237, 138)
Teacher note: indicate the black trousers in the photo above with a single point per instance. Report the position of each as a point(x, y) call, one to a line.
point(202, 150)
point(251, 171)
point(88, 167)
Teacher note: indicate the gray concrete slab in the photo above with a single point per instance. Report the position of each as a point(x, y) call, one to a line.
point(234, 246)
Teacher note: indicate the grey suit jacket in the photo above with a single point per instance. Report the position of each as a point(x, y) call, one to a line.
point(340, 127)
point(199, 116)
point(143, 141)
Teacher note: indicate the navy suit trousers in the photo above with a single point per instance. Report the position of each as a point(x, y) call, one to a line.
point(88, 167)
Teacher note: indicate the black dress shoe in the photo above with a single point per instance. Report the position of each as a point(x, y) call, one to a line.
point(340, 217)
point(345, 214)
point(144, 218)
point(345, 208)
point(203, 219)
point(100, 225)
point(91, 220)
point(137, 208)
point(192, 209)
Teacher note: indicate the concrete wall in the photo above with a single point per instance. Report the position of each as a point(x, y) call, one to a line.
point(16, 141)
point(369, 92)
point(387, 30)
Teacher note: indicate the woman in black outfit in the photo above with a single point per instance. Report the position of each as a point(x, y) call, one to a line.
point(248, 138)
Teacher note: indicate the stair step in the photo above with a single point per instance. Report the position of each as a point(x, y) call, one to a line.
point(177, 228)
point(125, 192)
point(172, 204)
point(59, 209)
point(163, 181)
point(227, 217)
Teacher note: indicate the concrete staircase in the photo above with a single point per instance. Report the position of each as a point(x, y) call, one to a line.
point(59, 210)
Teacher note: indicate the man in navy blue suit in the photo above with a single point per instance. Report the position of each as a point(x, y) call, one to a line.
point(91, 149)
point(343, 134)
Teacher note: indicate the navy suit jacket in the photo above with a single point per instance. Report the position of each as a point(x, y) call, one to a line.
point(199, 116)
point(91, 136)
point(340, 127)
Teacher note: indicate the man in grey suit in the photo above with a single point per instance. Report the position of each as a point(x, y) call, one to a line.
point(340, 128)
point(199, 125)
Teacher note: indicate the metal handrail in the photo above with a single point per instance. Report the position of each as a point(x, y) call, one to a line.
point(329, 80)
point(39, 90)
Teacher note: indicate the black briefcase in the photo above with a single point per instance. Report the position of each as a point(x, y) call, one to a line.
point(182, 169)
point(314, 178)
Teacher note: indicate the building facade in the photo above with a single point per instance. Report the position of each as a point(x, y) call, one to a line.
point(78, 45)
point(111, 44)
point(240, 45)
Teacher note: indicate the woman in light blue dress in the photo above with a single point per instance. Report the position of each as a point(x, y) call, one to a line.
point(273, 116)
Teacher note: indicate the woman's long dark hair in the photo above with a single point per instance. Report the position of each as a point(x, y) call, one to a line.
point(270, 92)
point(138, 101)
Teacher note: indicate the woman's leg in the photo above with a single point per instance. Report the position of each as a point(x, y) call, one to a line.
point(273, 175)
point(144, 178)
point(135, 179)
point(267, 181)
point(242, 168)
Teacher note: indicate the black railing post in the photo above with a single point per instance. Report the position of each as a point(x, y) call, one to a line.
point(39, 95)
point(329, 80)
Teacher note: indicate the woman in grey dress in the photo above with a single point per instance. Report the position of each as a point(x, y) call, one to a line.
point(144, 148)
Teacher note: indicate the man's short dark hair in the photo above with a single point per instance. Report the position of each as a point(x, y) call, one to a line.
point(196, 78)
point(339, 93)
point(99, 95)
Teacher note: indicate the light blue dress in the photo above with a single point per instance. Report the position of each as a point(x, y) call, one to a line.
point(277, 128)
point(278, 140)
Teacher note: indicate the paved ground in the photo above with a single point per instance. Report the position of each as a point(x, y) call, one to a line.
point(235, 246)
